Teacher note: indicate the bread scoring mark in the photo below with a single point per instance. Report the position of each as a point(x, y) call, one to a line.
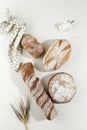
point(41, 95)
point(34, 84)
point(44, 103)
point(38, 92)
point(67, 47)
point(50, 112)
point(60, 42)
point(49, 60)
point(42, 98)
point(49, 51)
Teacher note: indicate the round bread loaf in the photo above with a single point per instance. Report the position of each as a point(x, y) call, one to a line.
point(61, 87)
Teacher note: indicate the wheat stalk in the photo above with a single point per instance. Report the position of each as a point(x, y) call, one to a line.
point(23, 113)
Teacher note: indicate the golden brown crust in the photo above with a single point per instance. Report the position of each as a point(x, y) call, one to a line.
point(27, 71)
point(37, 90)
point(31, 44)
point(57, 55)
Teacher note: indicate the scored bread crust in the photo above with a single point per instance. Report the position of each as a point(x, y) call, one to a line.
point(57, 55)
point(64, 99)
point(37, 91)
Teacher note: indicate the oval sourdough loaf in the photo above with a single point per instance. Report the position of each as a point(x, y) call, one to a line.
point(57, 55)
point(61, 87)
point(37, 91)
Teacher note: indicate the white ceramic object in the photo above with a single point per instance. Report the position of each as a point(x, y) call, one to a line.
point(64, 26)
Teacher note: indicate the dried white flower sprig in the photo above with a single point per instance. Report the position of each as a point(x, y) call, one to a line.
point(16, 27)
point(22, 112)
point(64, 26)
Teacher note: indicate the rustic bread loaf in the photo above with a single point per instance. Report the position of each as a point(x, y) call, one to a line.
point(31, 44)
point(37, 91)
point(61, 87)
point(27, 71)
point(57, 55)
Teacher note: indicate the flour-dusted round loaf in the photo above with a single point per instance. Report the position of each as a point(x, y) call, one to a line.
point(57, 55)
point(61, 87)
point(32, 45)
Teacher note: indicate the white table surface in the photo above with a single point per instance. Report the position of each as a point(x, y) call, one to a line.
point(41, 15)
